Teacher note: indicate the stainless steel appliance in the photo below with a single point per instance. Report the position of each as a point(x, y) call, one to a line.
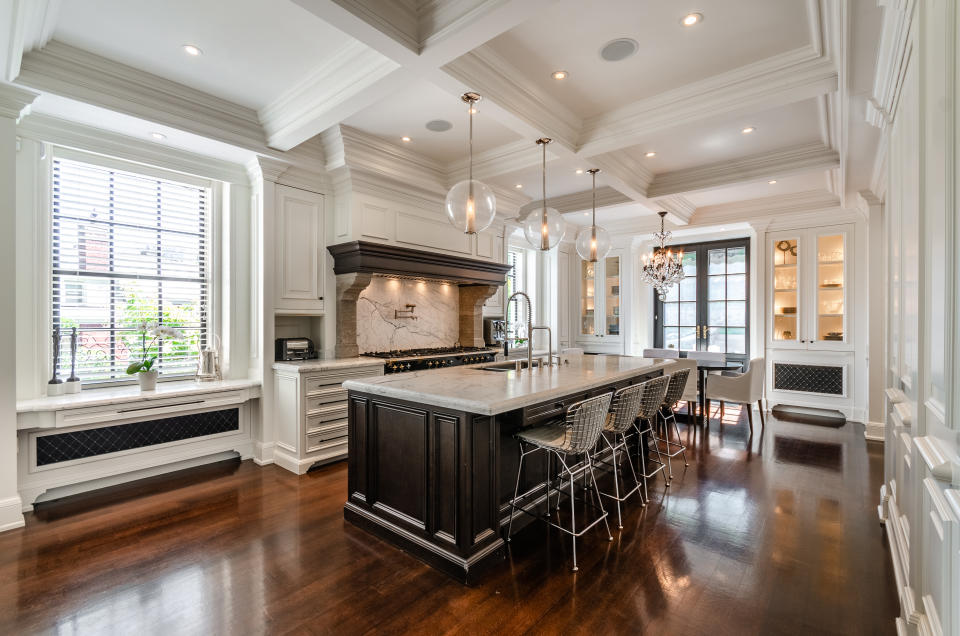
point(294, 349)
point(494, 331)
point(402, 361)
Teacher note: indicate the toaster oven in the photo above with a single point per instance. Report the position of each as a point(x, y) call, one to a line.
point(295, 349)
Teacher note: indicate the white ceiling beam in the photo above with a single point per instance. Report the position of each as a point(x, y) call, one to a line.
point(387, 27)
point(29, 26)
point(771, 165)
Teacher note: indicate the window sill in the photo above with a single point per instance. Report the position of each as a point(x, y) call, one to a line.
point(131, 393)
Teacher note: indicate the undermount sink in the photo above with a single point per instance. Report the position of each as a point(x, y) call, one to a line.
point(501, 369)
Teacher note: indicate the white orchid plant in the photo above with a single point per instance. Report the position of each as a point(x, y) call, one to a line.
point(156, 332)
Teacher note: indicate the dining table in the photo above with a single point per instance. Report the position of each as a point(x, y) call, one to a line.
point(703, 368)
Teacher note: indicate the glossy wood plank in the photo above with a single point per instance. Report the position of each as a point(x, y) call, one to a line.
point(774, 535)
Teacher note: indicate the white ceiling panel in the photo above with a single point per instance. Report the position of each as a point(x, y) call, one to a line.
point(746, 191)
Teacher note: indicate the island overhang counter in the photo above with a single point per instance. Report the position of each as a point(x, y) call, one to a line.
point(432, 461)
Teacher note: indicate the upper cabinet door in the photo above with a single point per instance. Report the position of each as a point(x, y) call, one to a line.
point(299, 251)
point(786, 257)
point(829, 318)
point(612, 281)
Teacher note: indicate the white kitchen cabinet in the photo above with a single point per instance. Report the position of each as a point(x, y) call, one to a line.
point(311, 411)
point(300, 252)
point(808, 279)
point(599, 285)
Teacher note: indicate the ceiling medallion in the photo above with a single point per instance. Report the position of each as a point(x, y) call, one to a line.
point(544, 229)
point(663, 269)
point(593, 243)
point(471, 205)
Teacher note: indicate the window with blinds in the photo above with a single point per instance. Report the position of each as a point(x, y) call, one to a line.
point(127, 249)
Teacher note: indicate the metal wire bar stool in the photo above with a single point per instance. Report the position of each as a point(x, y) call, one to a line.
point(576, 435)
point(623, 411)
point(650, 400)
point(678, 380)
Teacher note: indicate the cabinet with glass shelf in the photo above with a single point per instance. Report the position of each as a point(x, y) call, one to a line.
point(600, 302)
point(809, 270)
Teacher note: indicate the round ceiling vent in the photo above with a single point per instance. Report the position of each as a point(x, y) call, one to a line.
point(439, 125)
point(619, 49)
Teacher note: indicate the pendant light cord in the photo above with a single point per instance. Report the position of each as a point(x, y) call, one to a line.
point(470, 110)
point(593, 219)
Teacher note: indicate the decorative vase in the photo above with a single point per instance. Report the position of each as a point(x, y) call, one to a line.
point(147, 380)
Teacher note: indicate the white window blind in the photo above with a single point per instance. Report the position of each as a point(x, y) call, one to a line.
point(516, 281)
point(127, 248)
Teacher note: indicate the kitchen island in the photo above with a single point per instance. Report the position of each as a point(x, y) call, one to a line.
point(432, 459)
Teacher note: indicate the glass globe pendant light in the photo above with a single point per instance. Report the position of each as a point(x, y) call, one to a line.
point(471, 205)
point(593, 242)
point(544, 229)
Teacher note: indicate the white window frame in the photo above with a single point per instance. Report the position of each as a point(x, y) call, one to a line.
point(214, 313)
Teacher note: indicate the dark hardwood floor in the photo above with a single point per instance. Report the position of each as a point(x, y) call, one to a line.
point(774, 535)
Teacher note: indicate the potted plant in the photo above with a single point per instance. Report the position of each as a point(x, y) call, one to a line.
point(143, 368)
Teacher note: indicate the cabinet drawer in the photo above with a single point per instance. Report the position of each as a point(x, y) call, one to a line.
point(317, 428)
point(326, 393)
point(328, 412)
point(319, 404)
point(317, 383)
point(331, 445)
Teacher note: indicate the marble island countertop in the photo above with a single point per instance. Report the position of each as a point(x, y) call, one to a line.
point(484, 392)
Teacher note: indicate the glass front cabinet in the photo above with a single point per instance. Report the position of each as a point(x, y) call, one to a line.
point(599, 318)
point(809, 275)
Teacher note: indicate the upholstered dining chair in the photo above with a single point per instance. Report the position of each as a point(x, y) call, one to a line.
point(689, 394)
point(744, 389)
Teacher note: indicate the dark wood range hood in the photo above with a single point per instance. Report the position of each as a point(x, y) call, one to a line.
point(389, 260)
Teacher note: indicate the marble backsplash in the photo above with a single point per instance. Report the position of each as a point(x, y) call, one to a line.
point(437, 315)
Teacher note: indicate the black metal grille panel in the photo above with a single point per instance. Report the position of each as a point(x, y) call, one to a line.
point(63, 447)
point(809, 378)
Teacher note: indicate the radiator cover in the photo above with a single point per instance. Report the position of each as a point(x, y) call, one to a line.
point(808, 378)
point(92, 442)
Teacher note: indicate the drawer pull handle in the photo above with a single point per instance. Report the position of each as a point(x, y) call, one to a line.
point(158, 406)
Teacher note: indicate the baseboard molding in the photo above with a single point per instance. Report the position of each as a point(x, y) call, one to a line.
point(105, 482)
point(874, 431)
point(263, 454)
point(11, 516)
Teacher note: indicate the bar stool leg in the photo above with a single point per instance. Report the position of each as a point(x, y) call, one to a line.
point(623, 440)
point(596, 489)
point(573, 512)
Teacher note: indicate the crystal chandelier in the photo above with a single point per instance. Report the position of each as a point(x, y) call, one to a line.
point(544, 229)
point(471, 205)
point(663, 269)
point(593, 242)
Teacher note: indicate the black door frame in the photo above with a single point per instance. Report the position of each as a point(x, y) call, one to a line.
point(701, 249)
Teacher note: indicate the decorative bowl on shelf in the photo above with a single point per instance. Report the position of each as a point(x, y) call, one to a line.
point(788, 310)
point(831, 285)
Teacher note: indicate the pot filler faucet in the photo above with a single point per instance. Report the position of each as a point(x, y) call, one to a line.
point(530, 329)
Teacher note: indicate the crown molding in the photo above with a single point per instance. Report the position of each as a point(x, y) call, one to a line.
point(766, 207)
point(680, 210)
point(510, 157)
point(15, 101)
point(778, 163)
point(69, 134)
point(579, 201)
point(868, 205)
point(896, 47)
point(352, 79)
point(31, 24)
point(778, 80)
point(625, 172)
point(497, 79)
point(71, 72)
point(266, 169)
point(363, 151)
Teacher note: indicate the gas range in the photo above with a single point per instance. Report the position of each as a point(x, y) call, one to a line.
point(437, 358)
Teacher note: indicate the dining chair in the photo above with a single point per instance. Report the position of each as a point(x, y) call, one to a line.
point(689, 395)
point(661, 353)
point(744, 389)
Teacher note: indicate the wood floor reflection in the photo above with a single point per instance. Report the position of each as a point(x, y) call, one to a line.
point(774, 534)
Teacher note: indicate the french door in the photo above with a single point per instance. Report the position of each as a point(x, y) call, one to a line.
point(710, 309)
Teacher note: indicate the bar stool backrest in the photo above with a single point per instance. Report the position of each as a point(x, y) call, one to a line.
point(624, 407)
point(652, 396)
point(678, 380)
point(584, 422)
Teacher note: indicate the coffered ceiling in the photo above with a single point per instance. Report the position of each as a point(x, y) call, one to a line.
point(274, 74)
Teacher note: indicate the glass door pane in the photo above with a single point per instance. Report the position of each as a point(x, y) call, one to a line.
point(726, 323)
point(587, 298)
point(611, 306)
point(830, 291)
point(680, 309)
point(786, 290)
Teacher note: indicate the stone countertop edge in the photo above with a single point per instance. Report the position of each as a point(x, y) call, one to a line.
point(131, 393)
point(454, 400)
point(305, 366)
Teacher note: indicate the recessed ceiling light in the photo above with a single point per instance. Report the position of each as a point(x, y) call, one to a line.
point(518, 186)
point(748, 130)
point(560, 75)
point(651, 154)
point(579, 170)
point(691, 18)
point(192, 50)
point(405, 139)
point(439, 125)
point(772, 181)
point(158, 135)
point(619, 49)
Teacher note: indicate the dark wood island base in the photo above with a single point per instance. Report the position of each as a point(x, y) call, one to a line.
point(437, 482)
